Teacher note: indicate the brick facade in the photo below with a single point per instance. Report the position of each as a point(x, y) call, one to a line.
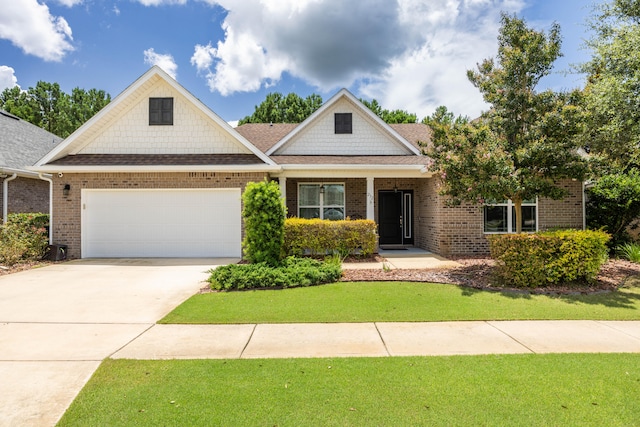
point(442, 229)
point(26, 195)
point(66, 221)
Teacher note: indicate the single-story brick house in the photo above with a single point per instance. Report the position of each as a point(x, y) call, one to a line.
point(156, 173)
point(22, 145)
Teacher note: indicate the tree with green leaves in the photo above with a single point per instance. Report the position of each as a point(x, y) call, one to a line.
point(612, 92)
point(394, 116)
point(277, 108)
point(47, 106)
point(525, 142)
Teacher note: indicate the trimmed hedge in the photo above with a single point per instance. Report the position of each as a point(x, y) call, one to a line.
point(549, 258)
point(292, 272)
point(321, 237)
point(263, 214)
point(23, 238)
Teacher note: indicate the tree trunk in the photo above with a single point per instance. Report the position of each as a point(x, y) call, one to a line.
point(517, 206)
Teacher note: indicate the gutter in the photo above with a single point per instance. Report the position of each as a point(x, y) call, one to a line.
point(5, 195)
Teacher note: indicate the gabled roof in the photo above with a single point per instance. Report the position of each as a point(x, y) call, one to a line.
point(344, 94)
point(77, 143)
point(22, 144)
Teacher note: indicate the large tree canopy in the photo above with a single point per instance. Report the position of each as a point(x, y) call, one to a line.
point(612, 93)
point(525, 142)
point(50, 108)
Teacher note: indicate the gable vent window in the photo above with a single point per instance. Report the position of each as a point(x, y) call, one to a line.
point(343, 123)
point(160, 111)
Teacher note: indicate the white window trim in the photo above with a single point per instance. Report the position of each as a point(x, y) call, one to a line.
point(321, 206)
point(510, 218)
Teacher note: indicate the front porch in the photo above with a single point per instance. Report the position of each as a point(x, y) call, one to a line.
point(404, 208)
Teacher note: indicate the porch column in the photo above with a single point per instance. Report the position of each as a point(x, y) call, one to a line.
point(370, 199)
point(283, 189)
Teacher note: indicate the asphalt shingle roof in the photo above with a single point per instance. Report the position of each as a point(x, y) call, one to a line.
point(21, 143)
point(158, 160)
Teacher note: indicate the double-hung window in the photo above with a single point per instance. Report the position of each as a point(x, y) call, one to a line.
point(324, 201)
point(501, 217)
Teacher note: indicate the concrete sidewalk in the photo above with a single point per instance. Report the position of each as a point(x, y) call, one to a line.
point(382, 339)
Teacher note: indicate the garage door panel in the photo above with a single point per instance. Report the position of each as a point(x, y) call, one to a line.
point(161, 223)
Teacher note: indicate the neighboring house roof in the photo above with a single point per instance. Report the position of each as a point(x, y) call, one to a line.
point(22, 144)
point(119, 131)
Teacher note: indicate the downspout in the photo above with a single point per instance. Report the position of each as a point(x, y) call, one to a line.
point(5, 197)
point(44, 178)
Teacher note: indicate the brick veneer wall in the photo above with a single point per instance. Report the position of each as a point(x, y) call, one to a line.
point(67, 210)
point(26, 195)
point(459, 229)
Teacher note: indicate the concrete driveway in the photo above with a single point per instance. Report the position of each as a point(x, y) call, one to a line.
point(58, 323)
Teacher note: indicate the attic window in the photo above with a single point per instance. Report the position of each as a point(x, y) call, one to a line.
point(160, 111)
point(343, 123)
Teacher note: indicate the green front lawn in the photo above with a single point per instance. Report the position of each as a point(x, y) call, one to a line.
point(399, 302)
point(508, 390)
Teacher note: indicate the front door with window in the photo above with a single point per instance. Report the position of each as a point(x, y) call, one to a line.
point(395, 217)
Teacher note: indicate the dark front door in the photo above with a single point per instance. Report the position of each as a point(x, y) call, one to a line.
point(395, 217)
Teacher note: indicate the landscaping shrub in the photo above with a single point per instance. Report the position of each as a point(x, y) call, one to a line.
point(263, 214)
point(613, 204)
point(321, 237)
point(23, 238)
point(630, 251)
point(292, 272)
point(549, 258)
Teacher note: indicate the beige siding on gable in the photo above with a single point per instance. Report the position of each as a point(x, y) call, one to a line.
point(192, 131)
point(319, 138)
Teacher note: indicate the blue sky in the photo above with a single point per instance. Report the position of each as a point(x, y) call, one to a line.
point(407, 54)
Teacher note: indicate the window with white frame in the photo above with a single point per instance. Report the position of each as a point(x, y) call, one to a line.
point(501, 217)
point(324, 201)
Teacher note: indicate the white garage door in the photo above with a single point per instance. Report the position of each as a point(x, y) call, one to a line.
point(161, 223)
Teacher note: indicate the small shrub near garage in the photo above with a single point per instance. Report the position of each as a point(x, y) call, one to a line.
point(561, 257)
point(321, 237)
point(292, 272)
point(23, 238)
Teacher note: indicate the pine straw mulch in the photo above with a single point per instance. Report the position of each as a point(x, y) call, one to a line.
point(23, 266)
point(477, 273)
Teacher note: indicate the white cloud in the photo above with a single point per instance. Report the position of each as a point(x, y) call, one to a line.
point(8, 77)
point(164, 61)
point(69, 3)
point(29, 26)
point(408, 54)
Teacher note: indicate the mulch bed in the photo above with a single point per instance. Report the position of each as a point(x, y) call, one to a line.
point(477, 273)
point(23, 266)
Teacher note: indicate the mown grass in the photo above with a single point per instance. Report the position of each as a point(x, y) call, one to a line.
point(523, 390)
point(399, 302)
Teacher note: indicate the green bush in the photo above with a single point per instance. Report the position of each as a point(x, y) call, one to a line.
point(613, 204)
point(549, 258)
point(263, 214)
point(630, 251)
point(321, 237)
point(292, 272)
point(23, 238)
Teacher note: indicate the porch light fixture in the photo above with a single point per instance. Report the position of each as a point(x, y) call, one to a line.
point(321, 188)
point(66, 190)
point(395, 185)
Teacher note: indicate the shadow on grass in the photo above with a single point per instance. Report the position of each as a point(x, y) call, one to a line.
point(626, 297)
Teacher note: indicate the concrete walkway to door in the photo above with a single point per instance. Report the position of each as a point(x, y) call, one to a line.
point(59, 322)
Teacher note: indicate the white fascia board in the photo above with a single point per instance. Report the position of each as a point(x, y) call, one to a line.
point(20, 172)
point(353, 171)
point(150, 168)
